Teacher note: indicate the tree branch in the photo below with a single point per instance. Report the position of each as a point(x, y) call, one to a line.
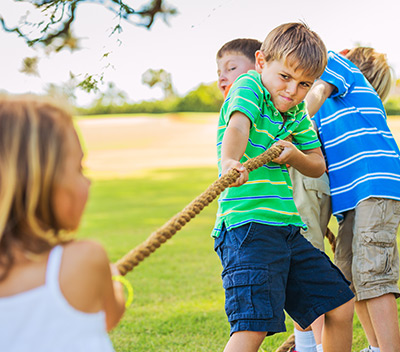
point(62, 13)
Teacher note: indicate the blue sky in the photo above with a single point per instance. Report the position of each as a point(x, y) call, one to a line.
point(186, 48)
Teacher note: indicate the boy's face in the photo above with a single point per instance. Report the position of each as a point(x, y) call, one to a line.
point(287, 87)
point(231, 66)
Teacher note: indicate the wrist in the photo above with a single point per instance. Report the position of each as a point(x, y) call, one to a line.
point(127, 285)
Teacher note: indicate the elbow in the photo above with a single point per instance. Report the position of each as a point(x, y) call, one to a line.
point(112, 321)
point(319, 169)
point(319, 173)
point(316, 169)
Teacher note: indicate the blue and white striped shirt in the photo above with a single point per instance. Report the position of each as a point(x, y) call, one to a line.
point(362, 156)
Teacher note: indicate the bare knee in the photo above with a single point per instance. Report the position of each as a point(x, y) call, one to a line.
point(257, 336)
point(299, 328)
point(245, 341)
point(251, 339)
point(341, 314)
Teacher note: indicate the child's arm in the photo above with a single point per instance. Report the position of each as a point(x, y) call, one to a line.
point(85, 281)
point(319, 92)
point(234, 144)
point(114, 299)
point(309, 162)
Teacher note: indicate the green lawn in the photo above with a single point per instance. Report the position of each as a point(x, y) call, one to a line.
point(179, 300)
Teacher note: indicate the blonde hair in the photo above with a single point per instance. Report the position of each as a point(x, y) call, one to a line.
point(298, 46)
point(374, 67)
point(32, 137)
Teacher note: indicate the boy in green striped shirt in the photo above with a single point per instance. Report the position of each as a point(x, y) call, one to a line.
point(268, 265)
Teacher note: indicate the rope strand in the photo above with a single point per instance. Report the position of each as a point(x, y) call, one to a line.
point(287, 345)
point(165, 232)
point(331, 238)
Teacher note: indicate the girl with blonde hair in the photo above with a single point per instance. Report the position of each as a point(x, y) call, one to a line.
point(56, 293)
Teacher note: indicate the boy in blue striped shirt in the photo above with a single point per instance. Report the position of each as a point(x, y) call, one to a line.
point(363, 163)
point(268, 265)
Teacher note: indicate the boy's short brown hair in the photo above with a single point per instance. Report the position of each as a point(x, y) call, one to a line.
point(298, 46)
point(244, 46)
point(374, 67)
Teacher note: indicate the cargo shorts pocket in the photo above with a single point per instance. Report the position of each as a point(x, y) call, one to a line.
point(243, 235)
point(247, 294)
point(378, 258)
point(396, 207)
point(218, 244)
point(319, 185)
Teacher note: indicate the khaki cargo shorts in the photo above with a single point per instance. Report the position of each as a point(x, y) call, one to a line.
point(313, 202)
point(366, 248)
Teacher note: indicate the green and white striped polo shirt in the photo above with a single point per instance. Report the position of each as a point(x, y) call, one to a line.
point(267, 196)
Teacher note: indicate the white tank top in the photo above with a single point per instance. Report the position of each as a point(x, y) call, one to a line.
point(41, 319)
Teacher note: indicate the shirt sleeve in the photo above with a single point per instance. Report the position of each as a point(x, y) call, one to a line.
point(338, 72)
point(245, 96)
point(304, 136)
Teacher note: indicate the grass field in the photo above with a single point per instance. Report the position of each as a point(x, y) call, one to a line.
point(179, 300)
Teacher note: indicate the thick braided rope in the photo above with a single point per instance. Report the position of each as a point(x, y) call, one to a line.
point(138, 254)
point(332, 239)
point(287, 345)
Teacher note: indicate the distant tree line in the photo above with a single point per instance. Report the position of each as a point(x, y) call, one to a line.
point(392, 105)
point(204, 98)
point(54, 33)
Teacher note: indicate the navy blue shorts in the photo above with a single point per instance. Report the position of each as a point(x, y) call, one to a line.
point(269, 269)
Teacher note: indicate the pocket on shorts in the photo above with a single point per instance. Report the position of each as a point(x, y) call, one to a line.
point(218, 242)
point(319, 185)
point(242, 235)
point(377, 262)
point(247, 294)
point(396, 207)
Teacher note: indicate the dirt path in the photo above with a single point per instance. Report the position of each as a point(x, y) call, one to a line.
point(120, 147)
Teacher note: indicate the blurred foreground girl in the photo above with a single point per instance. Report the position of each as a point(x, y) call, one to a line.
point(56, 293)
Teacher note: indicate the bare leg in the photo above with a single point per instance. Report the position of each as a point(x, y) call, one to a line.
point(303, 338)
point(365, 320)
point(245, 341)
point(338, 328)
point(317, 327)
point(383, 314)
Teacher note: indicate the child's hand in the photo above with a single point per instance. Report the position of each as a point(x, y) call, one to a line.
point(289, 152)
point(234, 164)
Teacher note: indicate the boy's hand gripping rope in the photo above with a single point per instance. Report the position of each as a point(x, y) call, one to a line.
point(138, 254)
